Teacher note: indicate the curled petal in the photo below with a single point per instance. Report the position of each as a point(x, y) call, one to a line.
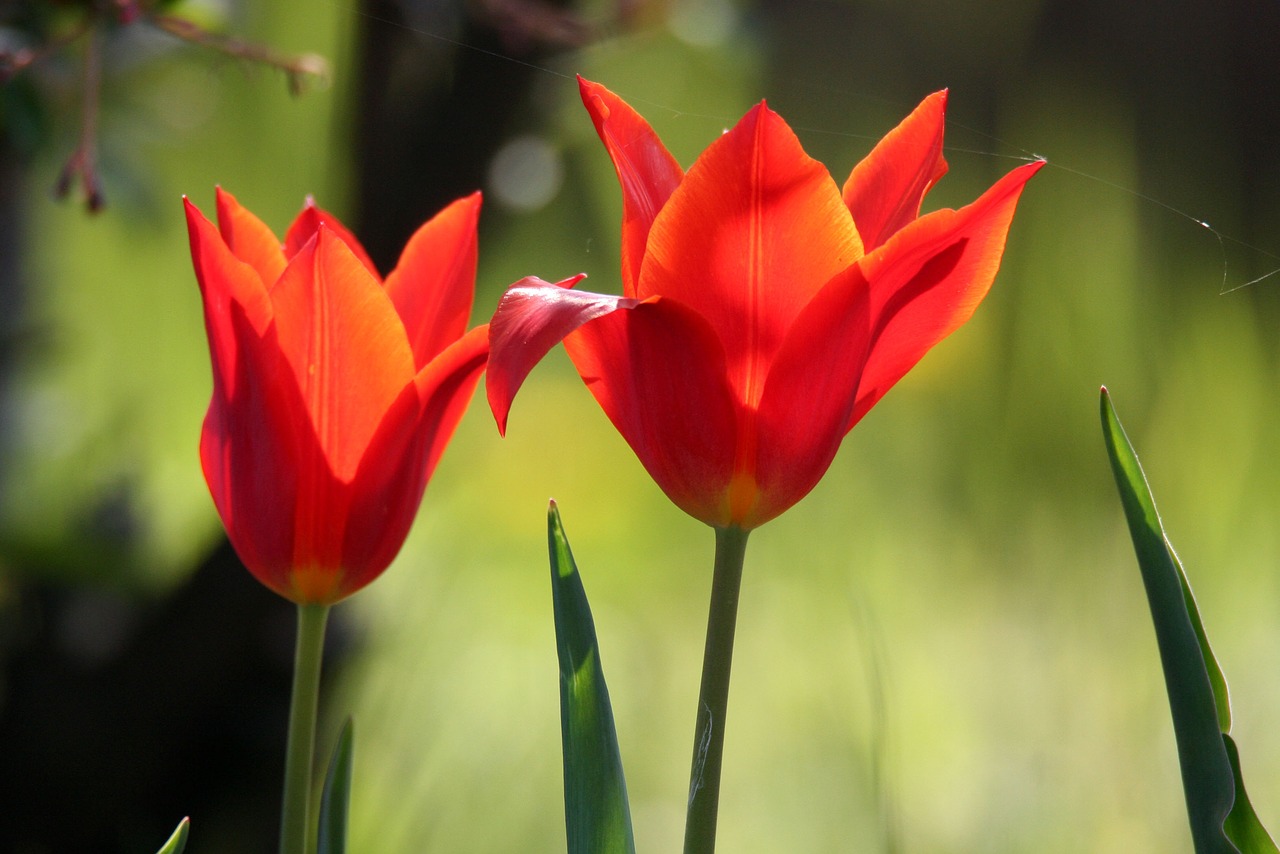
point(532, 317)
point(433, 282)
point(657, 369)
point(756, 228)
point(646, 170)
point(809, 396)
point(885, 190)
point(249, 238)
point(304, 226)
point(928, 279)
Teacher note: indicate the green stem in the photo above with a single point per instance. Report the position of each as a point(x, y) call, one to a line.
point(295, 822)
point(713, 697)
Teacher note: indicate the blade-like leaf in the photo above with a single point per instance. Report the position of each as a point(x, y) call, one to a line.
point(596, 815)
point(332, 838)
point(178, 841)
point(1243, 827)
point(1198, 700)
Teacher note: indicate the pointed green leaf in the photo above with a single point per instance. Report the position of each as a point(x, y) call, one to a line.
point(596, 815)
point(1197, 690)
point(178, 841)
point(334, 801)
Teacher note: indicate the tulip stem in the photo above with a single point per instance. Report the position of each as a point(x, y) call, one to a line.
point(713, 697)
point(295, 821)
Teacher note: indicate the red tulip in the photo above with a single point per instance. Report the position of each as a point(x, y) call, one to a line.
point(334, 393)
point(763, 311)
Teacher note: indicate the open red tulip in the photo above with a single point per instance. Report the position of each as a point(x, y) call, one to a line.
point(763, 310)
point(334, 393)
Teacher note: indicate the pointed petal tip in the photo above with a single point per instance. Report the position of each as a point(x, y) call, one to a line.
point(1030, 168)
point(194, 216)
point(470, 206)
point(589, 90)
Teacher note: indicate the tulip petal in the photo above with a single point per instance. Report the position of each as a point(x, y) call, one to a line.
point(402, 456)
point(304, 226)
point(658, 371)
point(646, 170)
point(433, 282)
point(532, 317)
point(341, 335)
point(225, 281)
point(753, 232)
point(809, 396)
point(255, 434)
point(928, 280)
point(249, 238)
point(885, 190)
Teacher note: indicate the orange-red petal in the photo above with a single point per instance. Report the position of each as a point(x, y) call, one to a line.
point(343, 339)
point(304, 226)
point(809, 396)
point(657, 369)
point(402, 455)
point(254, 436)
point(434, 280)
point(753, 232)
point(249, 238)
point(928, 279)
point(225, 281)
point(646, 171)
point(885, 190)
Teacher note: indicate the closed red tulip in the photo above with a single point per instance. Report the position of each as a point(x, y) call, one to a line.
point(334, 392)
point(764, 310)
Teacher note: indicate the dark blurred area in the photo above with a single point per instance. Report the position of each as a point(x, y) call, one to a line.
point(121, 711)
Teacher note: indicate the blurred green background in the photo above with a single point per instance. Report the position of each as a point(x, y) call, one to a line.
point(945, 647)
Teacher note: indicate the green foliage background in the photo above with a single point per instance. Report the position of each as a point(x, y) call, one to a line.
point(945, 647)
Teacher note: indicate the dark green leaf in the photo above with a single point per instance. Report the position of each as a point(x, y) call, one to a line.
point(334, 801)
point(178, 842)
point(597, 817)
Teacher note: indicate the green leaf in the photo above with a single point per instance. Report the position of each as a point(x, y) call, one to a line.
point(596, 815)
point(178, 842)
point(334, 801)
point(1243, 827)
point(1198, 698)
